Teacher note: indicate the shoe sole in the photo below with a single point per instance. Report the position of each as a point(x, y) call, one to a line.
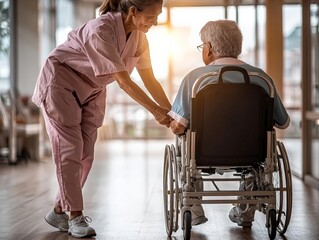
point(199, 221)
point(240, 223)
point(53, 225)
point(82, 236)
point(245, 224)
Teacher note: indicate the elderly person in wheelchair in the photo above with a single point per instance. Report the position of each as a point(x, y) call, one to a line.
point(222, 44)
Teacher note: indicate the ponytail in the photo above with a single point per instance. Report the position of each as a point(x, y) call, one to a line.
point(109, 6)
point(124, 5)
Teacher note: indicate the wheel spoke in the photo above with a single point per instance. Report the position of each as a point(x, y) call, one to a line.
point(283, 188)
point(170, 190)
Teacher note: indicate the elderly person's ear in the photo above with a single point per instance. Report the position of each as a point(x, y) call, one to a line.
point(208, 55)
point(209, 48)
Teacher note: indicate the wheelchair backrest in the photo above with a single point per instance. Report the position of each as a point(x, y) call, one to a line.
point(231, 121)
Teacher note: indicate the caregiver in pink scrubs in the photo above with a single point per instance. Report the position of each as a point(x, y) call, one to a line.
point(71, 91)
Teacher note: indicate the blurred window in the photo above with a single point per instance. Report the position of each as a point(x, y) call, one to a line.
point(315, 56)
point(315, 89)
point(4, 45)
point(173, 55)
point(292, 82)
point(292, 67)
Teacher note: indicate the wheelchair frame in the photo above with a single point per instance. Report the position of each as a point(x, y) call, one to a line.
point(273, 195)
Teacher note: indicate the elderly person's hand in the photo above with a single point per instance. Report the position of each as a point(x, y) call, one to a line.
point(177, 128)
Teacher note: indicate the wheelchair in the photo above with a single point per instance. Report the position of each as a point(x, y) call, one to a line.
point(231, 136)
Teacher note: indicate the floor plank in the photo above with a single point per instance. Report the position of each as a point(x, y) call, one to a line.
point(123, 196)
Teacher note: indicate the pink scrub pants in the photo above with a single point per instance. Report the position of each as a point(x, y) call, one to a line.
point(72, 130)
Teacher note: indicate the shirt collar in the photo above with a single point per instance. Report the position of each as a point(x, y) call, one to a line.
point(121, 29)
point(227, 61)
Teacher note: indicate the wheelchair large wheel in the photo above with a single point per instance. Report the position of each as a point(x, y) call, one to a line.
point(170, 191)
point(187, 225)
point(283, 186)
point(272, 224)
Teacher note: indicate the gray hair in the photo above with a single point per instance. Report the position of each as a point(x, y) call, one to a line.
point(224, 36)
point(124, 5)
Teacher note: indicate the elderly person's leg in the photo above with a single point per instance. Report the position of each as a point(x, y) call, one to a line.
point(243, 214)
point(198, 214)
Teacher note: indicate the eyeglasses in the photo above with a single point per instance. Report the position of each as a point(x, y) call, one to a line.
point(200, 47)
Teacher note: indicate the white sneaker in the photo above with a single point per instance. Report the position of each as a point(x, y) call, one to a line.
point(243, 219)
point(198, 215)
point(59, 221)
point(79, 227)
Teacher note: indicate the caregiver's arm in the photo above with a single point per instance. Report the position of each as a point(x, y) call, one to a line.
point(135, 92)
point(154, 87)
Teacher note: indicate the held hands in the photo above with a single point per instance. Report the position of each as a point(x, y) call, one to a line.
point(161, 116)
point(177, 128)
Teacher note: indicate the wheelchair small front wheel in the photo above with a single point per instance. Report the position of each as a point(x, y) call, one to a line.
point(187, 225)
point(272, 226)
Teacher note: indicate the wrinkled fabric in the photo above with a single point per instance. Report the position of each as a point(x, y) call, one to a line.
point(71, 92)
point(85, 61)
point(72, 131)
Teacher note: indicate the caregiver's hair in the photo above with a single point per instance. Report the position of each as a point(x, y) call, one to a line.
point(124, 5)
point(224, 36)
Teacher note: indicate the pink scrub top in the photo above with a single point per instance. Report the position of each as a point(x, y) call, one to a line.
point(85, 61)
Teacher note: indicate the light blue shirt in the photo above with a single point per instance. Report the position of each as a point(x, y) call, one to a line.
point(181, 107)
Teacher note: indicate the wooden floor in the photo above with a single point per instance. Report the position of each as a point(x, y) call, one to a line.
point(123, 196)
